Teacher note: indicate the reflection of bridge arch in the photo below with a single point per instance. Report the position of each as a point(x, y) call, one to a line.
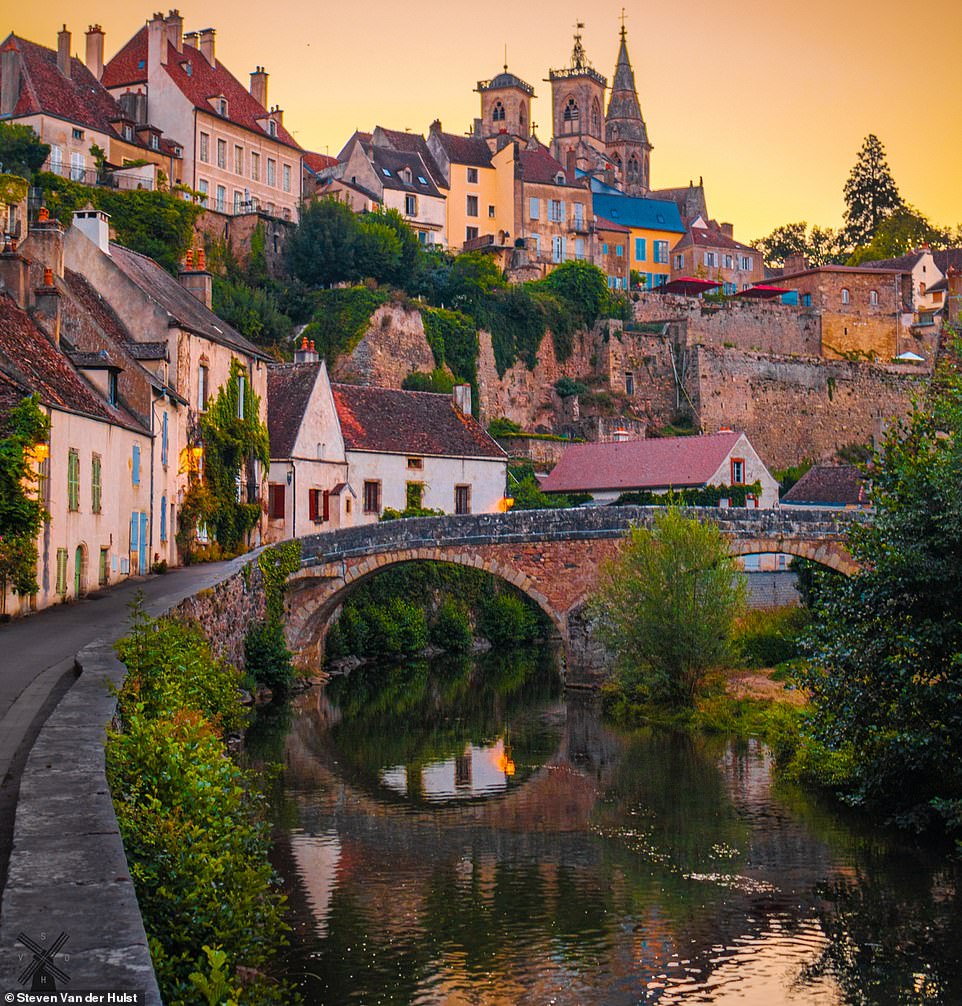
point(553, 556)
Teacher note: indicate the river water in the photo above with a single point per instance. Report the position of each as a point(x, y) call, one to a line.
point(461, 832)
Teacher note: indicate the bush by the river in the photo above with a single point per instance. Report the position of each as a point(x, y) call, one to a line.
point(194, 826)
point(768, 637)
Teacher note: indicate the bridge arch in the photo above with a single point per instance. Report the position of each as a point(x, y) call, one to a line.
point(314, 594)
point(832, 554)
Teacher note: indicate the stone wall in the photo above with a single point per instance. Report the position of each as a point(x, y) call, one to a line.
point(393, 347)
point(226, 611)
point(544, 454)
point(797, 408)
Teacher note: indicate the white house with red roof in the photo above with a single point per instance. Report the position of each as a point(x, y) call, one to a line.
point(341, 453)
point(608, 470)
point(236, 149)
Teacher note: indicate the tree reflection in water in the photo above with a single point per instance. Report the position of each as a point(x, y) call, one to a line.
point(458, 832)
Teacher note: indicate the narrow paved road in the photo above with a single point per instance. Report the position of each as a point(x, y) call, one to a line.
point(37, 667)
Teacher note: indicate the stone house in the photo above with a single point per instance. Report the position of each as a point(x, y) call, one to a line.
point(835, 486)
point(606, 470)
point(929, 270)
point(93, 471)
point(65, 104)
point(862, 308)
point(710, 251)
point(236, 150)
point(342, 453)
point(614, 249)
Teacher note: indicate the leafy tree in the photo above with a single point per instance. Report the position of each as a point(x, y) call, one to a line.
point(885, 669)
point(871, 194)
point(252, 310)
point(21, 152)
point(472, 278)
point(321, 249)
point(667, 606)
point(820, 245)
point(583, 287)
point(377, 249)
point(21, 514)
point(903, 231)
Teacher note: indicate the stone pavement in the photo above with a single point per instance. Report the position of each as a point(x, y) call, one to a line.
point(67, 873)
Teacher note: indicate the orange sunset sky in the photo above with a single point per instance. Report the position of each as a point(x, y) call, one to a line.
point(768, 102)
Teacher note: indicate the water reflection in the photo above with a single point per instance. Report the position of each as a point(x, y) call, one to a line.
point(458, 833)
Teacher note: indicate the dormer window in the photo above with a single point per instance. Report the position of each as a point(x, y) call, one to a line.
point(188, 68)
point(560, 178)
point(128, 133)
point(222, 107)
point(271, 127)
point(154, 142)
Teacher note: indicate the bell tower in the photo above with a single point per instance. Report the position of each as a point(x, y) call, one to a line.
point(577, 103)
point(626, 135)
point(505, 108)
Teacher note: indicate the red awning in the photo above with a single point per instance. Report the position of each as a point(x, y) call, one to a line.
point(762, 292)
point(688, 286)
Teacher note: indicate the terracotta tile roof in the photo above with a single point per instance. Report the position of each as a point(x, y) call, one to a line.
point(317, 162)
point(470, 150)
point(79, 98)
point(827, 485)
point(202, 83)
point(537, 165)
point(640, 464)
point(409, 422)
point(707, 237)
point(183, 307)
point(413, 143)
point(31, 360)
point(602, 224)
point(289, 387)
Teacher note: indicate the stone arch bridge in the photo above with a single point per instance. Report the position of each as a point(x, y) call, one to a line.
point(553, 556)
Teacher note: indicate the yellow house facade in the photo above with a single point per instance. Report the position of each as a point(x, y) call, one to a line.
point(654, 226)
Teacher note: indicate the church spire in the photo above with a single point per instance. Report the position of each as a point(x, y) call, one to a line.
point(626, 135)
point(623, 104)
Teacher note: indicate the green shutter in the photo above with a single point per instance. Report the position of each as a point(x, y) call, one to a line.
point(73, 480)
point(95, 485)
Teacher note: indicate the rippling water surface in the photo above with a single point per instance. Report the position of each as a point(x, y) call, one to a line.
point(461, 833)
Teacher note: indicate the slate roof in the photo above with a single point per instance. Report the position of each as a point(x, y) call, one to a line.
point(640, 464)
point(943, 259)
point(389, 164)
point(289, 387)
point(409, 422)
point(413, 143)
point(148, 350)
point(79, 98)
point(202, 83)
point(503, 80)
point(828, 485)
point(637, 211)
point(31, 361)
point(623, 108)
point(470, 150)
point(329, 183)
point(183, 307)
point(100, 360)
point(709, 237)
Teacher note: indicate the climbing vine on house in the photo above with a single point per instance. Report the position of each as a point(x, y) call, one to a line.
point(21, 513)
point(231, 438)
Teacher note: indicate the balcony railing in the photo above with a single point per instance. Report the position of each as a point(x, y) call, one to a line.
point(111, 178)
point(580, 225)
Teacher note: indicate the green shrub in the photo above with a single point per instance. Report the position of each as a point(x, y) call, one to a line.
point(767, 637)
point(506, 619)
point(341, 318)
point(452, 628)
point(568, 386)
point(503, 427)
point(412, 626)
point(440, 381)
point(267, 657)
point(390, 513)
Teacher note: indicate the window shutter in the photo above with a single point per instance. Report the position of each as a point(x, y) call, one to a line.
point(135, 465)
point(163, 518)
point(326, 513)
point(312, 504)
point(163, 441)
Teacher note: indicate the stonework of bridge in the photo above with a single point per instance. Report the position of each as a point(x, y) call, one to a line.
point(553, 556)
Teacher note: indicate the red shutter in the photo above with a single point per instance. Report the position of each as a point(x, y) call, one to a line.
point(327, 505)
point(312, 504)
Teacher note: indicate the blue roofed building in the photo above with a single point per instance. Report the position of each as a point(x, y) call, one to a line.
point(655, 227)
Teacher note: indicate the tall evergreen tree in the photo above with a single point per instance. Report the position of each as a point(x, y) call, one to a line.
point(871, 194)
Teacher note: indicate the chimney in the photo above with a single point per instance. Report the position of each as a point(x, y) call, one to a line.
point(175, 29)
point(9, 78)
point(435, 127)
point(462, 398)
point(728, 230)
point(156, 45)
point(13, 274)
point(47, 307)
point(195, 278)
point(795, 263)
point(95, 50)
point(94, 225)
point(306, 353)
point(570, 162)
point(63, 51)
point(259, 86)
point(46, 245)
point(207, 44)
point(277, 113)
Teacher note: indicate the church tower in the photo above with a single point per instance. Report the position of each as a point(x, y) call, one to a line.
point(505, 109)
point(577, 102)
point(626, 136)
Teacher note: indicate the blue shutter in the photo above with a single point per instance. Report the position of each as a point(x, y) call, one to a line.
point(163, 517)
point(163, 441)
point(142, 568)
point(134, 526)
point(135, 466)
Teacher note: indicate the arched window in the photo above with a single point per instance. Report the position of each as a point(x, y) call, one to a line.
point(571, 116)
point(497, 113)
point(616, 160)
point(845, 295)
point(632, 173)
point(522, 117)
point(595, 117)
point(873, 298)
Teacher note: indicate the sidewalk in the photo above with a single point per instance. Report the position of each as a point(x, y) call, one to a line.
point(37, 663)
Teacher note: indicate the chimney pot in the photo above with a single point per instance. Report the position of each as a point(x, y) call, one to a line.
point(9, 78)
point(95, 50)
point(259, 86)
point(47, 309)
point(462, 398)
point(63, 51)
point(207, 44)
